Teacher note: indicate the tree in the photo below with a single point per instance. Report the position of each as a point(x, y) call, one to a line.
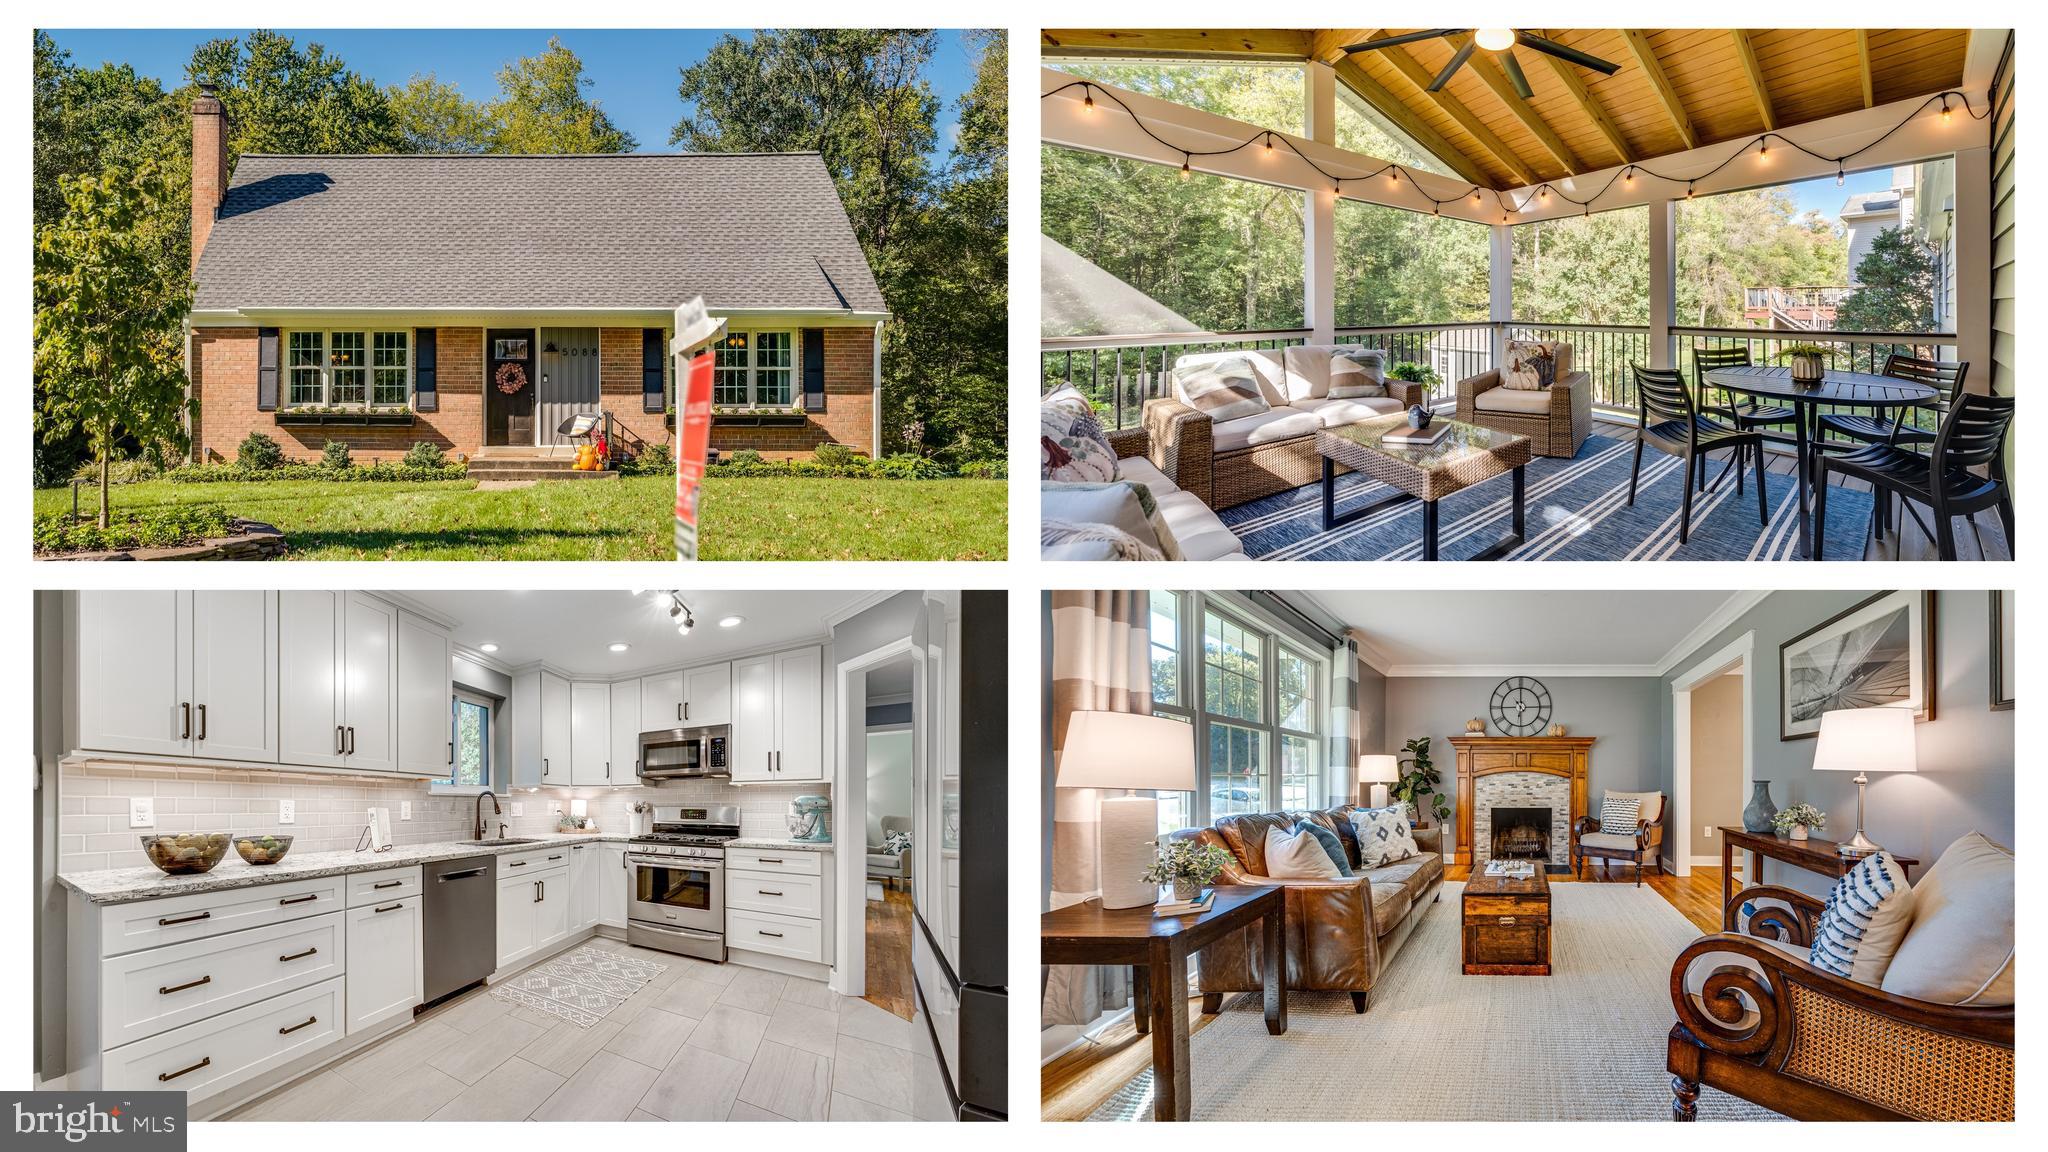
point(280, 98)
point(1895, 287)
point(107, 311)
point(435, 117)
point(542, 108)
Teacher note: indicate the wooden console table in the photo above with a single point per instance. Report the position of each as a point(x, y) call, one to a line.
point(1157, 949)
point(1813, 854)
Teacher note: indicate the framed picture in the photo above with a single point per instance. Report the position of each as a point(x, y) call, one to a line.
point(1878, 654)
point(2004, 649)
point(510, 348)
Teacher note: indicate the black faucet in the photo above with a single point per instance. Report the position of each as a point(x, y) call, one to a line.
point(495, 808)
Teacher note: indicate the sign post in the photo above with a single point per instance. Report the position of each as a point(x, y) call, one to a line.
point(691, 349)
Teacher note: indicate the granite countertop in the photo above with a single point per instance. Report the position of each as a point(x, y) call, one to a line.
point(121, 885)
point(773, 842)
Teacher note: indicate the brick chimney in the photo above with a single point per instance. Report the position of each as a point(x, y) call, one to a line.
point(209, 165)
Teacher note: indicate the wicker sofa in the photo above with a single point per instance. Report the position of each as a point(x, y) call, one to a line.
point(1556, 419)
point(1228, 463)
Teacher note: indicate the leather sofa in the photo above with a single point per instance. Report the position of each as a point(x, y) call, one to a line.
point(1556, 419)
point(1341, 933)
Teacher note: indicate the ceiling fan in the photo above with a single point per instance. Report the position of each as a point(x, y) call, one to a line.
point(1500, 41)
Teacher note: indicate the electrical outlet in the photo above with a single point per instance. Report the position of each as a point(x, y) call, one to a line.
point(554, 807)
point(141, 812)
point(518, 808)
point(1708, 832)
point(405, 809)
point(287, 811)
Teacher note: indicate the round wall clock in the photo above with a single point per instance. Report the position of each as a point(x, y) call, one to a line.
point(1521, 706)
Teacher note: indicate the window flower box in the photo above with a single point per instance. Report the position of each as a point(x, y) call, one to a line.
point(380, 417)
point(747, 417)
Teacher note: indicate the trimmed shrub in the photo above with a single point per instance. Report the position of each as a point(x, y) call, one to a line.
point(653, 460)
point(259, 452)
point(153, 528)
point(425, 455)
point(120, 471)
point(905, 466)
point(836, 455)
point(335, 455)
point(743, 456)
point(996, 469)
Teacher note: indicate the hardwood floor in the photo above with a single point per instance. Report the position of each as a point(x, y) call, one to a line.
point(1074, 1084)
point(888, 952)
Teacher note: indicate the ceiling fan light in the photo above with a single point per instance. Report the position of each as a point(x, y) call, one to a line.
point(1494, 39)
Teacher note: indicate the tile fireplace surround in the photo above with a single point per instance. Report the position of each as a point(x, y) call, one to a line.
point(1522, 790)
point(1519, 772)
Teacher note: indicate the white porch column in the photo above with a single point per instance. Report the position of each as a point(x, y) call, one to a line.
point(1972, 230)
point(1663, 280)
point(1500, 284)
point(1319, 235)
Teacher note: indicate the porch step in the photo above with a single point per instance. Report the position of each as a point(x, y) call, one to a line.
point(531, 470)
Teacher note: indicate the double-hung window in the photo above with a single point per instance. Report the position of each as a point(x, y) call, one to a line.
point(754, 369)
point(348, 368)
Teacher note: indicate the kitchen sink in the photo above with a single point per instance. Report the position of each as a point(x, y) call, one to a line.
point(500, 843)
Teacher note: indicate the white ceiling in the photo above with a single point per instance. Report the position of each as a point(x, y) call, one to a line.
point(572, 631)
point(1593, 632)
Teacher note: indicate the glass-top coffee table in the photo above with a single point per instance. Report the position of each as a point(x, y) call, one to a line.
point(1466, 455)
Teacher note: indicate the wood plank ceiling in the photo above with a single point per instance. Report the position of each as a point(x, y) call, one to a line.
point(1678, 88)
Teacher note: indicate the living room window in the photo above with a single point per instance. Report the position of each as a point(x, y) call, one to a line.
point(754, 370)
point(348, 369)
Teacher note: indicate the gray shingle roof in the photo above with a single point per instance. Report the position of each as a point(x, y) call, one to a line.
point(482, 232)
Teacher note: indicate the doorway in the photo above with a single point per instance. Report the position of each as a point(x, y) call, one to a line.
point(888, 833)
point(1712, 732)
point(508, 415)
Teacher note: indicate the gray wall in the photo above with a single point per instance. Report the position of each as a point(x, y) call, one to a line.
point(1965, 781)
point(890, 620)
point(1620, 710)
point(1372, 718)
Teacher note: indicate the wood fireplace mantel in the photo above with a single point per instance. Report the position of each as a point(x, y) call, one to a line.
point(1478, 756)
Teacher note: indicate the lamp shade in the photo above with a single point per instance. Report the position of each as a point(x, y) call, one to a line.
point(1376, 768)
point(1865, 740)
point(1127, 750)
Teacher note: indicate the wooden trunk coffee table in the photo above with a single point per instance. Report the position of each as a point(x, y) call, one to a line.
point(1466, 455)
point(1507, 925)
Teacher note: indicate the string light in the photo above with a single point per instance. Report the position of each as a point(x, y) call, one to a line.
point(1688, 189)
point(1946, 114)
point(1393, 176)
point(1184, 167)
point(1839, 175)
point(1269, 143)
point(1628, 176)
point(1087, 101)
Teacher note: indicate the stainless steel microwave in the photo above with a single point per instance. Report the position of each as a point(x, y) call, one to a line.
point(678, 753)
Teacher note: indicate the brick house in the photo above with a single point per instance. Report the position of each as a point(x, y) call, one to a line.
point(477, 301)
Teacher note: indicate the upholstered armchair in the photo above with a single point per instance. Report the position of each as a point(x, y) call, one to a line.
point(1643, 846)
point(1556, 419)
point(1758, 1021)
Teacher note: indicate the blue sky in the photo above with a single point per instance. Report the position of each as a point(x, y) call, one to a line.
point(635, 70)
point(1823, 197)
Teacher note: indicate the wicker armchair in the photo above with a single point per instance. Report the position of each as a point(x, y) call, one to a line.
point(1773, 1029)
point(1558, 430)
point(1645, 846)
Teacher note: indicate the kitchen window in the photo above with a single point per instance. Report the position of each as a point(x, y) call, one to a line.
point(754, 369)
point(348, 368)
point(470, 729)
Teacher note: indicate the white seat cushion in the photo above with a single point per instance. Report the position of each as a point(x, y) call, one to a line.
point(1335, 413)
point(1612, 841)
point(1265, 428)
point(1960, 947)
point(1189, 530)
point(1513, 401)
point(1140, 470)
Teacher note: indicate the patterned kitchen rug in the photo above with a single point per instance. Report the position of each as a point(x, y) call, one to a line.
point(581, 987)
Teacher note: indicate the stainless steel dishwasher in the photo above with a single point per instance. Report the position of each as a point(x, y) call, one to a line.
point(461, 936)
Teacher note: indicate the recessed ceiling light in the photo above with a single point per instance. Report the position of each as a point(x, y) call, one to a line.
point(620, 647)
point(487, 647)
point(732, 621)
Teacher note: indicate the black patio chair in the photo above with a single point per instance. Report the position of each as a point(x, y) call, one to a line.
point(1671, 425)
point(1866, 429)
point(1971, 436)
point(1745, 413)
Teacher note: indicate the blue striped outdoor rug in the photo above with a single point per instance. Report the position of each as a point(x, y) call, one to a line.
point(1576, 509)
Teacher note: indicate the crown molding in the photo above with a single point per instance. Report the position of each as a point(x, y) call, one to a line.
point(1731, 610)
point(1552, 670)
point(863, 603)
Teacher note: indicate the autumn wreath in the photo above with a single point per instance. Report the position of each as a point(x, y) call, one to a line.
point(511, 378)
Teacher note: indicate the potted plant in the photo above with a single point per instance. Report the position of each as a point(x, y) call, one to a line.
point(1188, 865)
point(1799, 819)
point(1809, 362)
point(1419, 778)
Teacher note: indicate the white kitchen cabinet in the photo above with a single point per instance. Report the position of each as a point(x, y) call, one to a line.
point(177, 673)
point(611, 881)
point(551, 908)
point(426, 689)
point(590, 733)
point(707, 695)
point(799, 719)
point(751, 751)
point(587, 877)
point(625, 741)
point(556, 744)
point(661, 701)
point(385, 964)
point(337, 680)
point(369, 664)
point(516, 920)
point(533, 902)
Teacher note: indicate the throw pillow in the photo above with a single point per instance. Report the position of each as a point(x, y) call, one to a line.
point(1297, 856)
point(1960, 947)
point(1222, 389)
point(1117, 515)
point(1383, 835)
point(1357, 372)
point(1071, 442)
point(1329, 841)
point(1531, 364)
point(1865, 918)
point(1618, 814)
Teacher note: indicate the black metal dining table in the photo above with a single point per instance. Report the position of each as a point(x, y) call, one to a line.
point(1768, 385)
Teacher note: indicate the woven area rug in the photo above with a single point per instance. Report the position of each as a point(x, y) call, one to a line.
point(1585, 1043)
point(582, 986)
point(1575, 509)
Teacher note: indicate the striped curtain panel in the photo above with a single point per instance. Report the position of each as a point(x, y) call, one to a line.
point(1100, 663)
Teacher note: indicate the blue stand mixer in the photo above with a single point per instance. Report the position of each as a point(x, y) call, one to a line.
point(810, 819)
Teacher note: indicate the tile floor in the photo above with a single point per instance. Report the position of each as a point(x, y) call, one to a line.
point(700, 1042)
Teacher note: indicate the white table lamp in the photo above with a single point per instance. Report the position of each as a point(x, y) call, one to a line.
point(1864, 740)
point(1379, 770)
point(1125, 750)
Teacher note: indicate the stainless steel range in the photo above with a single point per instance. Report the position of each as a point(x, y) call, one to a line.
point(675, 895)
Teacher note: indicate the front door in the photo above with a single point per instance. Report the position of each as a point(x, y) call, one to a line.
point(508, 364)
point(568, 380)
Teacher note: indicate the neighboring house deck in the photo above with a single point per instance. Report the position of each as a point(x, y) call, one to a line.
point(478, 301)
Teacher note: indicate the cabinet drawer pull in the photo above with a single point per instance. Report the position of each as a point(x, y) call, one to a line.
point(765, 892)
point(554, 857)
point(295, 1027)
point(339, 747)
point(519, 864)
point(769, 859)
point(181, 987)
point(298, 955)
point(388, 907)
point(765, 932)
point(540, 891)
point(180, 1072)
point(1507, 921)
point(386, 884)
point(186, 732)
point(202, 722)
point(184, 919)
point(351, 739)
point(300, 899)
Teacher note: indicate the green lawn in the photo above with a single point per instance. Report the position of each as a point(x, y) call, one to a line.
point(627, 519)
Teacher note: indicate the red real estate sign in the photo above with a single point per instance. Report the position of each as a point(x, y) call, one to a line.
point(693, 443)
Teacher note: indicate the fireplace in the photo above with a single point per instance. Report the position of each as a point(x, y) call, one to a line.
point(1500, 775)
point(1520, 833)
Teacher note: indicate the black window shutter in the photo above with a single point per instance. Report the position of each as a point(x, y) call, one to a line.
point(426, 388)
point(814, 369)
point(266, 369)
point(653, 397)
